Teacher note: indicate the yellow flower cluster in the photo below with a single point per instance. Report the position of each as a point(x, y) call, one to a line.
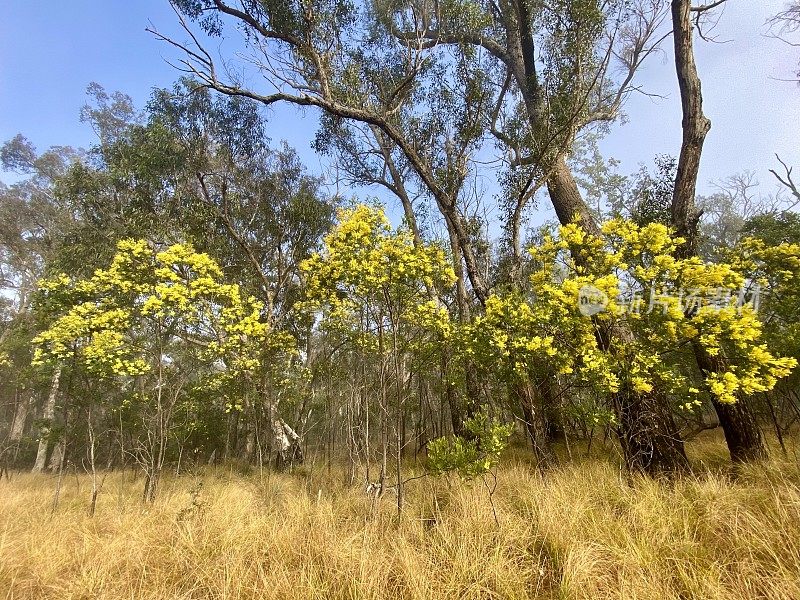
point(368, 267)
point(548, 331)
point(176, 290)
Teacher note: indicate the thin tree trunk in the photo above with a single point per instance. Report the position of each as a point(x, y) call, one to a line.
point(92, 465)
point(384, 413)
point(471, 405)
point(525, 396)
point(59, 481)
point(775, 423)
point(457, 412)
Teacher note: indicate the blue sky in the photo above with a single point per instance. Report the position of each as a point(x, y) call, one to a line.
point(50, 51)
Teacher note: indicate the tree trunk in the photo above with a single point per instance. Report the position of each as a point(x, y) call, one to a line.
point(151, 485)
point(20, 418)
point(567, 200)
point(232, 435)
point(685, 217)
point(288, 450)
point(742, 434)
point(55, 456)
point(744, 439)
point(552, 409)
point(457, 412)
point(250, 445)
point(47, 417)
point(21, 410)
point(472, 404)
point(648, 434)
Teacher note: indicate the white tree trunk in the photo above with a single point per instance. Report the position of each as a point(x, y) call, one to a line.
point(250, 445)
point(282, 443)
point(286, 443)
point(20, 418)
point(47, 416)
point(56, 456)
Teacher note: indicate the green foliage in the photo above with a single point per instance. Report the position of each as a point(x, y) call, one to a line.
point(473, 456)
point(653, 192)
point(772, 229)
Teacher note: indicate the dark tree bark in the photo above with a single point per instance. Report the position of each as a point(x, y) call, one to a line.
point(648, 434)
point(647, 431)
point(551, 405)
point(742, 434)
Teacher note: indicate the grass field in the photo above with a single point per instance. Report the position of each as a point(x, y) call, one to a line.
point(584, 531)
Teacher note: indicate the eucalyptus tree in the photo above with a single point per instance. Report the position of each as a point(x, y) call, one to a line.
point(254, 208)
point(33, 221)
point(444, 123)
point(737, 418)
point(553, 70)
point(33, 218)
point(786, 24)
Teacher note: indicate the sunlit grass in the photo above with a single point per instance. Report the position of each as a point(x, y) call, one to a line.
point(584, 531)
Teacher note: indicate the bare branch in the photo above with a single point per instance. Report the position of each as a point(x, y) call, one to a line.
point(786, 180)
point(706, 7)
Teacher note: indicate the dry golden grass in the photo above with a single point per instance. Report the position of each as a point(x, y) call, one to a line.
point(583, 532)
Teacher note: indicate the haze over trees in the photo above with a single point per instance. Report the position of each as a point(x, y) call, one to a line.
point(186, 292)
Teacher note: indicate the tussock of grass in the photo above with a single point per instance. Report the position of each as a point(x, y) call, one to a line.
point(583, 532)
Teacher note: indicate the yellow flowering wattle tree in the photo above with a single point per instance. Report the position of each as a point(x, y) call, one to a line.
point(584, 285)
point(373, 287)
point(152, 319)
point(774, 270)
point(771, 265)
